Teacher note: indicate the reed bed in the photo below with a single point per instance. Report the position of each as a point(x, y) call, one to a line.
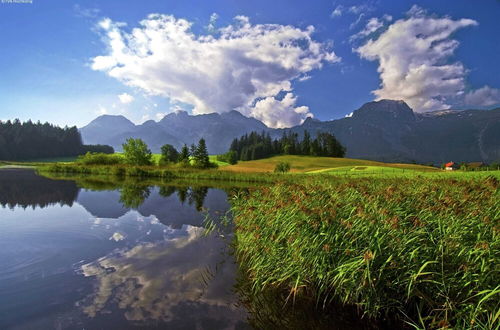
point(423, 249)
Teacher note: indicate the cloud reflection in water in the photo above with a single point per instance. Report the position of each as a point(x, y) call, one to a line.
point(186, 273)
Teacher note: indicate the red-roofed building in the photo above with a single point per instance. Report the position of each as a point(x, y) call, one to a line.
point(451, 166)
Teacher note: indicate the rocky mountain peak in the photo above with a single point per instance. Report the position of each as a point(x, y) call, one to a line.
point(385, 110)
point(111, 120)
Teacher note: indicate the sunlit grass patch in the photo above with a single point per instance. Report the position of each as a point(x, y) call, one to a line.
point(316, 164)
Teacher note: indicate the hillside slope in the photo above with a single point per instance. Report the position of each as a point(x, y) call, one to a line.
point(303, 164)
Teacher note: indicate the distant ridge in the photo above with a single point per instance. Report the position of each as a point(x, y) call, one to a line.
point(390, 131)
point(385, 130)
point(177, 128)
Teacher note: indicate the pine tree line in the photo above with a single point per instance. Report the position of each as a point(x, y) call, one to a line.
point(28, 140)
point(256, 146)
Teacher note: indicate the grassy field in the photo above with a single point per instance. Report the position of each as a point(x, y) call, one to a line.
point(424, 249)
point(262, 170)
point(301, 164)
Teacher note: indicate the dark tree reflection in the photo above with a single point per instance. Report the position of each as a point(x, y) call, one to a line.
point(197, 197)
point(167, 191)
point(134, 195)
point(23, 187)
point(182, 193)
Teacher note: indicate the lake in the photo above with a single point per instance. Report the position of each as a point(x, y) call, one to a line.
point(91, 254)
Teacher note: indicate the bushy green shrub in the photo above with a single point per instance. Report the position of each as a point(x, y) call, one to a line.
point(282, 167)
point(100, 158)
point(136, 152)
point(98, 148)
point(169, 155)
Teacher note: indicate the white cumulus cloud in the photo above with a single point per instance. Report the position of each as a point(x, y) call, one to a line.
point(483, 97)
point(126, 98)
point(414, 60)
point(236, 68)
point(280, 113)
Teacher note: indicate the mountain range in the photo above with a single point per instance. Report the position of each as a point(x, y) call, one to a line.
point(177, 128)
point(385, 130)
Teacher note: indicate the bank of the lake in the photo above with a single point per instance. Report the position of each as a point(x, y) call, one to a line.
point(155, 172)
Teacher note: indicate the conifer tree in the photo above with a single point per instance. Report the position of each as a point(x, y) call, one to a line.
point(305, 146)
point(256, 146)
point(184, 155)
point(200, 155)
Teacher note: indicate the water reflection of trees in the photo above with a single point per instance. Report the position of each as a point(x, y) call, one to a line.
point(167, 191)
point(133, 193)
point(194, 195)
point(172, 203)
point(24, 188)
point(134, 196)
point(182, 193)
point(197, 197)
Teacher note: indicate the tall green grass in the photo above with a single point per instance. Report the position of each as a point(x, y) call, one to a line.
point(425, 249)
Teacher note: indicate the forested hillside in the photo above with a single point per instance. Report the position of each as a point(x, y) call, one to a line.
point(256, 146)
point(28, 140)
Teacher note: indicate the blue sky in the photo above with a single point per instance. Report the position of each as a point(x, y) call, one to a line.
point(64, 61)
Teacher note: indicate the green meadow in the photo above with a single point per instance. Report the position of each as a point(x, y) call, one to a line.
point(309, 164)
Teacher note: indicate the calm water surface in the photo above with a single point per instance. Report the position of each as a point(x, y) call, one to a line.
point(133, 256)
